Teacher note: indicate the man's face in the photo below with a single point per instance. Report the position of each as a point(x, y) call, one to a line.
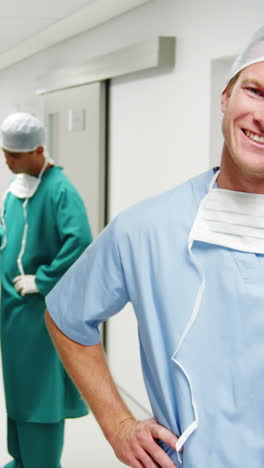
point(243, 121)
point(20, 162)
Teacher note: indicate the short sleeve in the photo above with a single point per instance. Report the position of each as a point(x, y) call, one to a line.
point(91, 291)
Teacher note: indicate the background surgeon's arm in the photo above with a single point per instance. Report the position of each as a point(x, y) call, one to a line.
point(133, 441)
point(74, 232)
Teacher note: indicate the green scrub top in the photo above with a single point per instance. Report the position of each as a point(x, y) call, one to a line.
point(37, 388)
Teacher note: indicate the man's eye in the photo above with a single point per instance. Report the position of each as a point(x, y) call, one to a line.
point(255, 91)
point(15, 155)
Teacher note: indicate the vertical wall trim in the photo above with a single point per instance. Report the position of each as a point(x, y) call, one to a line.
point(107, 183)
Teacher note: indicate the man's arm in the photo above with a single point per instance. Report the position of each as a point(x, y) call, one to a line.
point(133, 441)
point(71, 234)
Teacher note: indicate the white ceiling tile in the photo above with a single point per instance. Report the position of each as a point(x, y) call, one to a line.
point(20, 21)
point(40, 8)
point(13, 32)
point(29, 26)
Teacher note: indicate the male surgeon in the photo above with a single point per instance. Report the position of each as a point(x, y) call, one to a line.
point(195, 277)
point(44, 230)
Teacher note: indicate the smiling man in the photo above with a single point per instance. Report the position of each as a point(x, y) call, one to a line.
point(191, 261)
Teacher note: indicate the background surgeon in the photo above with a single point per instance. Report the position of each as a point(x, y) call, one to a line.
point(191, 261)
point(45, 229)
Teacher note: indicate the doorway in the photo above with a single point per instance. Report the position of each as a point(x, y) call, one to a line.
point(75, 119)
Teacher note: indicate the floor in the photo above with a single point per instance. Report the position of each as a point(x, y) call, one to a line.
point(84, 445)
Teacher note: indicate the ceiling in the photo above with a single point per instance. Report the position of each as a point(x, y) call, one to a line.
point(29, 26)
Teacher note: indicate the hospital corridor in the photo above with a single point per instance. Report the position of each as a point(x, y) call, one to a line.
point(104, 105)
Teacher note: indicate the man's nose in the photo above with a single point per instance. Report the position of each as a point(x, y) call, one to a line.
point(259, 123)
point(259, 118)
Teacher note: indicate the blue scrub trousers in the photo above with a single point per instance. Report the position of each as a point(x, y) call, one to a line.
point(35, 445)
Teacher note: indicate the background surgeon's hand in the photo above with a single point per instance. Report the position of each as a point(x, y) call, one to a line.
point(136, 445)
point(25, 284)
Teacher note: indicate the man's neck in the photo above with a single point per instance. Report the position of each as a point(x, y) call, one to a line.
point(38, 166)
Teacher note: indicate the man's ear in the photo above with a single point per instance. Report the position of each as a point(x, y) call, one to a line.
point(225, 98)
point(40, 149)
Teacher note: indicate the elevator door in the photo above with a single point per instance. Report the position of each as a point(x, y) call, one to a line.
point(75, 119)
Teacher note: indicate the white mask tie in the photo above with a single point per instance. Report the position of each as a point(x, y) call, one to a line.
point(23, 186)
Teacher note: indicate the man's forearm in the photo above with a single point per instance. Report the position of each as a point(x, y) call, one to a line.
point(134, 442)
point(88, 368)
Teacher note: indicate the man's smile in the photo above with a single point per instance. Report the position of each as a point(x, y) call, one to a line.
point(254, 136)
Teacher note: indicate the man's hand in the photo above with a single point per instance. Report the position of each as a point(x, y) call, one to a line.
point(25, 284)
point(135, 444)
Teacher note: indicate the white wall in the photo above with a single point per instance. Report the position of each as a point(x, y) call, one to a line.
point(159, 122)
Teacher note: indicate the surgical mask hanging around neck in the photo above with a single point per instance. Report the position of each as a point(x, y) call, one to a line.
point(25, 185)
point(231, 219)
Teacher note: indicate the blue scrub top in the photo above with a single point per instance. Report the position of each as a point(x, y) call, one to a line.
point(142, 257)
